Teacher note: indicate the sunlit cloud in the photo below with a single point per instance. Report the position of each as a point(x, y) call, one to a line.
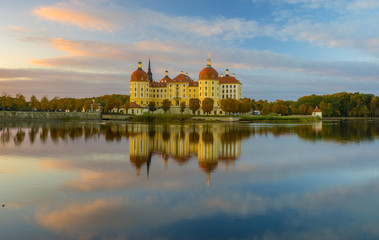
point(78, 14)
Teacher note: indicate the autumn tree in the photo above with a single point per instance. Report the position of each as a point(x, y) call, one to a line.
point(118, 103)
point(20, 101)
point(283, 110)
point(34, 103)
point(245, 105)
point(166, 104)
point(207, 105)
point(182, 107)
point(79, 103)
point(126, 106)
point(194, 104)
point(54, 104)
point(87, 105)
point(152, 106)
point(44, 103)
point(276, 108)
point(303, 109)
point(109, 104)
point(225, 105)
point(373, 106)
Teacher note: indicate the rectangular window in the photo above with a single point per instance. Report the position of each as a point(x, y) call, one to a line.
point(213, 88)
point(206, 94)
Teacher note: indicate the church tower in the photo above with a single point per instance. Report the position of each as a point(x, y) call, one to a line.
point(149, 73)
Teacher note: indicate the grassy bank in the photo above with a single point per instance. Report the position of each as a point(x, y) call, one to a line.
point(279, 118)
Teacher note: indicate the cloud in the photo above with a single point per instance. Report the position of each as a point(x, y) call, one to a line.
point(49, 82)
point(79, 14)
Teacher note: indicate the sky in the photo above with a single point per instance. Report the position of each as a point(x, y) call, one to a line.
point(278, 49)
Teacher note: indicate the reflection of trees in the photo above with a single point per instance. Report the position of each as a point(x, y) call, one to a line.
point(340, 131)
point(5, 136)
point(19, 137)
point(194, 137)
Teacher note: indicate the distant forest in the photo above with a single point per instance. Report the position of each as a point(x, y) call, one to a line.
point(332, 105)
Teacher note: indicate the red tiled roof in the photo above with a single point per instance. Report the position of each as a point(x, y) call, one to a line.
point(158, 84)
point(139, 75)
point(181, 78)
point(228, 79)
point(193, 84)
point(317, 110)
point(134, 105)
point(208, 73)
point(165, 80)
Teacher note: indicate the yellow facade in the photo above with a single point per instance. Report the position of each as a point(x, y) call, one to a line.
point(182, 88)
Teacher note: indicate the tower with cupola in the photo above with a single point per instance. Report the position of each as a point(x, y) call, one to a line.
point(139, 86)
point(209, 83)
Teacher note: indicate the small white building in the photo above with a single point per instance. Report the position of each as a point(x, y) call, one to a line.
point(134, 108)
point(317, 113)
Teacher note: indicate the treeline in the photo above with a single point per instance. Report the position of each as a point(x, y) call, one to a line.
point(106, 103)
point(332, 105)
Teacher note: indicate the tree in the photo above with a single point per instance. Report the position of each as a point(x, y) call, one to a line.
point(373, 106)
point(34, 103)
point(207, 105)
point(283, 110)
point(79, 103)
point(245, 106)
point(303, 109)
point(126, 105)
point(182, 107)
point(44, 103)
point(20, 101)
point(54, 104)
point(118, 103)
point(166, 104)
point(224, 103)
point(310, 110)
point(152, 106)
point(87, 104)
point(109, 104)
point(194, 104)
point(276, 108)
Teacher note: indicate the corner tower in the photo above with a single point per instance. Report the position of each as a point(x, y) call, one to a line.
point(139, 86)
point(209, 83)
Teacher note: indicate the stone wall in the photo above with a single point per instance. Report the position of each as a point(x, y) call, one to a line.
point(50, 115)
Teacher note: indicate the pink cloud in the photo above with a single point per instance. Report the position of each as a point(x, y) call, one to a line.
point(76, 14)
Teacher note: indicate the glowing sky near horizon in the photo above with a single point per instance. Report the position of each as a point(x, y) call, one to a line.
point(277, 49)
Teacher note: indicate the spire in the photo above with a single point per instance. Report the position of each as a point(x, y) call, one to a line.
point(139, 64)
point(148, 164)
point(166, 73)
point(227, 71)
point(149, 73)
point(209, 61)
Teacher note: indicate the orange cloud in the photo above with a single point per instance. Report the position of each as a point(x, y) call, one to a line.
point(67, 14)
point(78, 217)
point(91, 180)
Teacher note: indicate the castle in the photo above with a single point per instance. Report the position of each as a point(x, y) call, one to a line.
point(143, 89)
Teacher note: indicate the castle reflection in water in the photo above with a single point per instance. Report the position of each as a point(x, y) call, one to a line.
point(209, 143)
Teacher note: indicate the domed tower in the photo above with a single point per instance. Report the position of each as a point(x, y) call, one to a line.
point(209, 83)
point(139, 86)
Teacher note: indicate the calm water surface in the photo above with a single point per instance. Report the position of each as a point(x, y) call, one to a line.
point(74, 180)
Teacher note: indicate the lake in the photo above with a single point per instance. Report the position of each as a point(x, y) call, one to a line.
point(113, 180)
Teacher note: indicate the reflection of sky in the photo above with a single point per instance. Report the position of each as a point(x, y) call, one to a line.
point(281, 187)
